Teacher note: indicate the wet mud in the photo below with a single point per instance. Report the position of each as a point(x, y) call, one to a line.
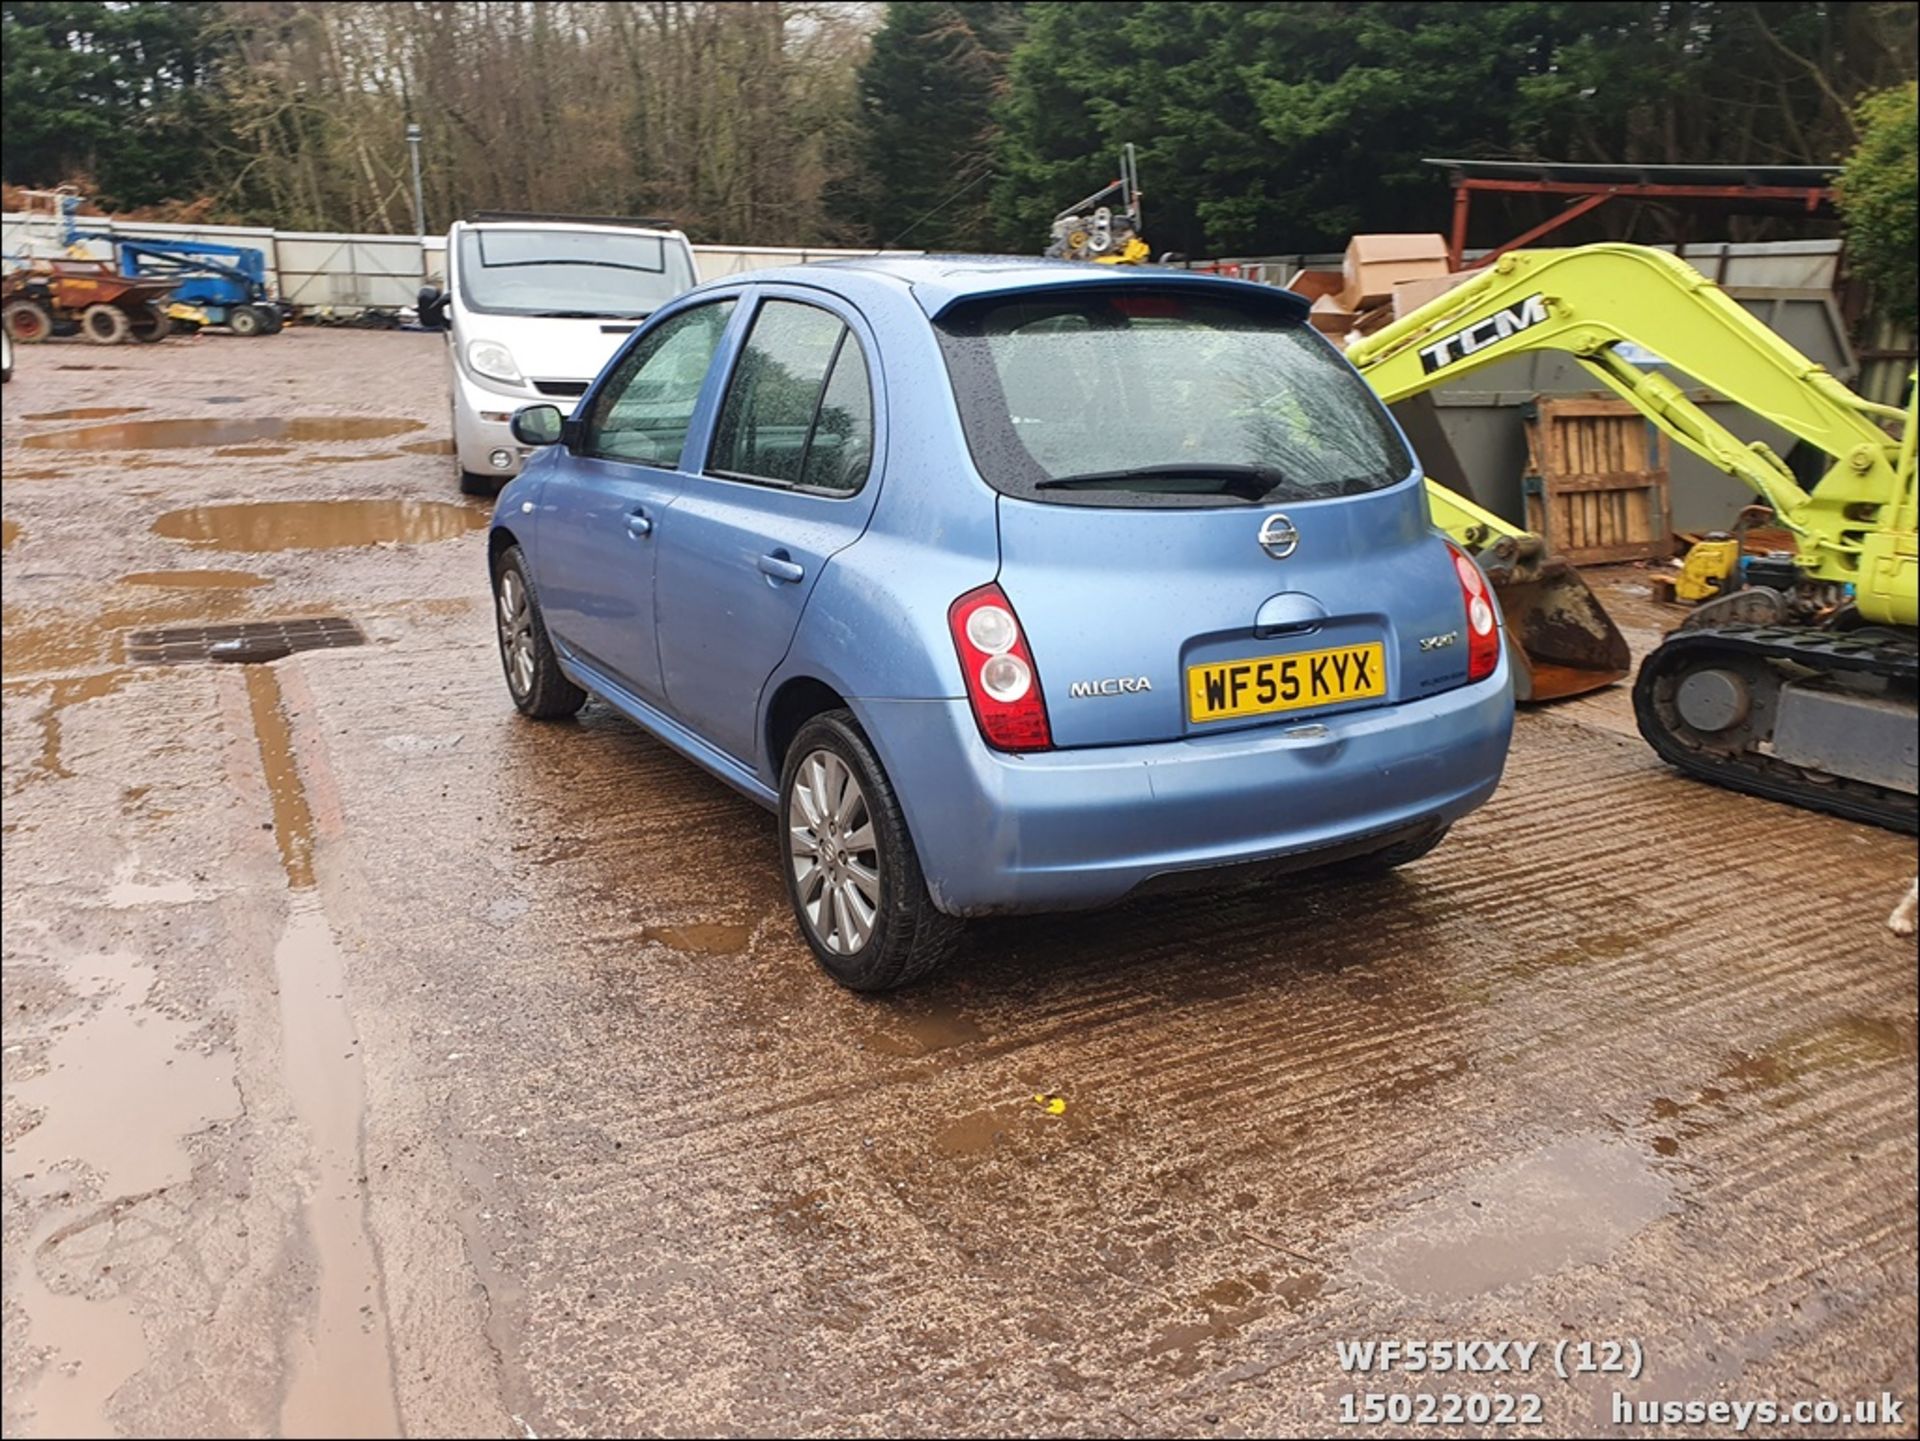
point(378, 1061)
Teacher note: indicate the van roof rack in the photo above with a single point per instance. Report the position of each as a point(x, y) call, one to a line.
point(482, 217)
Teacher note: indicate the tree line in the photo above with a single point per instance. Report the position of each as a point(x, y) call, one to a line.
point(952, 124)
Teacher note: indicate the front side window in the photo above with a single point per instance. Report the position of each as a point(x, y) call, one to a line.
point(599, 273)
point(799, 410)
point(1112, 396)
point(643, 411)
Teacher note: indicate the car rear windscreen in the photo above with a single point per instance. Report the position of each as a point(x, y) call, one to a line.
point(1114, 396)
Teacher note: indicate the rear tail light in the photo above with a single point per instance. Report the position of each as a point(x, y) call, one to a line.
point(1002, 684)
point(1483, 621)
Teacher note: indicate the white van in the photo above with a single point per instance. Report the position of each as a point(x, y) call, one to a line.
point(533, 307)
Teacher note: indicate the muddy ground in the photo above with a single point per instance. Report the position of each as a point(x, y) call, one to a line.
point(375, 1060)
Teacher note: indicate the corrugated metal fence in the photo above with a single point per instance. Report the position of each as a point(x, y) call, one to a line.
point(323, 270)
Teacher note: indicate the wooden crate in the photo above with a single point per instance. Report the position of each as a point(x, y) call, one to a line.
point(1596, 484)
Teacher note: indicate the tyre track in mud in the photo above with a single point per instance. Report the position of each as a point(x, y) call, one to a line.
point(1627, 1055)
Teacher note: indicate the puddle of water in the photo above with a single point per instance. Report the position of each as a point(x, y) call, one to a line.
point(9, 533)
point(240, 452)
point(214, 431)
point(126, 893)
point(707, 938)
point(318, 524)
point(93, 641)
point(119, 1095)
point(1572, 1204)
point(429, 447)
point(979, 1133)
point(60, 696)
point(16, 473)
point(83, 412)
point(342, 1381)
point(196, 579)
point(922, 1032)
point(292, 819)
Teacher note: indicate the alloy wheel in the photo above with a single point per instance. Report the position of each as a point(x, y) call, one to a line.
point(515, 617)
point(834, 853)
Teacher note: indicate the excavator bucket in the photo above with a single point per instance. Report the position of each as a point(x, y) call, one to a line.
point(1559, 638)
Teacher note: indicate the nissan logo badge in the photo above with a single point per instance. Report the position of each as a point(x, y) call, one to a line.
point(1278, 538)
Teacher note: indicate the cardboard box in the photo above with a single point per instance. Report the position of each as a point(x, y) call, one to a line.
point(1410, 295)
point(1315, 283)
point(1376, 263)
point(1329, 317)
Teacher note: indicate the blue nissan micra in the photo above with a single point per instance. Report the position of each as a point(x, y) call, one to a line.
point(1010, 586)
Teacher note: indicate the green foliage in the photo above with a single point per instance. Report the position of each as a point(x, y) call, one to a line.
point(927, 89)
point(1879, 199)
point(122, 93)
point(1285, 127)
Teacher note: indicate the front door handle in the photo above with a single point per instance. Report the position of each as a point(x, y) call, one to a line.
point(780, 567)
point(639, 524)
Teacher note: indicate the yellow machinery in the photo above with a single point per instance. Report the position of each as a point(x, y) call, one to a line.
point(1106, 234)
point(1711, 569)
point(1803, 692)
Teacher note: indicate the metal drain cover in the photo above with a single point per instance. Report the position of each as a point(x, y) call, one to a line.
point(247, 643)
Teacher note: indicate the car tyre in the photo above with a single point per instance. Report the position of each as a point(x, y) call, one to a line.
point(852, 874)
point(1390, 858)
point(540, 689)
point(473, 483)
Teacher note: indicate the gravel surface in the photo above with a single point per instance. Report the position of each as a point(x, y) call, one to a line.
point(376, 1060)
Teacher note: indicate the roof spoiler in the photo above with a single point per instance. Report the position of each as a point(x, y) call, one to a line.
point(483, 217)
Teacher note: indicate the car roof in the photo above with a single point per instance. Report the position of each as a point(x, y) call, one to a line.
point(939, 282)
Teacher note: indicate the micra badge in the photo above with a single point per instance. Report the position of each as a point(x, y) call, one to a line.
point(1112, 685)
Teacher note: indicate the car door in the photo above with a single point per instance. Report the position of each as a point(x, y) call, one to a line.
point(603, 508)
point(788, 479)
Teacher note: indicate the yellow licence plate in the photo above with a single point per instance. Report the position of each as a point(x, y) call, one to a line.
point(1262, 685)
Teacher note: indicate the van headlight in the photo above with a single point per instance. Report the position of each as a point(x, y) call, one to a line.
point(493, 360)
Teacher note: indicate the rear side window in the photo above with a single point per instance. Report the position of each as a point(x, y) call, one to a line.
point(1110, 396)
point(799, 409)
point(643, 411)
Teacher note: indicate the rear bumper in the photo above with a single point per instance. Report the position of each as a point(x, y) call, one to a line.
point(1061, 830)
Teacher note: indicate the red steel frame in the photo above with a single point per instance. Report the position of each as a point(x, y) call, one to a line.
point(1591, 195)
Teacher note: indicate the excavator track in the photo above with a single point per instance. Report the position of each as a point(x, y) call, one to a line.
point(1743, 672)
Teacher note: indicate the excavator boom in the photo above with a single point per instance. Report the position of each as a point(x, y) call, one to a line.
point(1594, 302)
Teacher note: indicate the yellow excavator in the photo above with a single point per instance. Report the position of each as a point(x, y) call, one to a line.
point(1803, 690)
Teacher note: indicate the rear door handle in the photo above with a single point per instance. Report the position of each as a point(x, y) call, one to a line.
point(639, 524)
point(780, 567)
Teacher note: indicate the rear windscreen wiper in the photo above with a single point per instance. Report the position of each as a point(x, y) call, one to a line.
point(1248, 482)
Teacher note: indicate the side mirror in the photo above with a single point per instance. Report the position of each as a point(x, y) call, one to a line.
point(538, 425)
point(431, 303)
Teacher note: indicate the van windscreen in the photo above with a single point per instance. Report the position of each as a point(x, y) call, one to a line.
point(588, 273)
